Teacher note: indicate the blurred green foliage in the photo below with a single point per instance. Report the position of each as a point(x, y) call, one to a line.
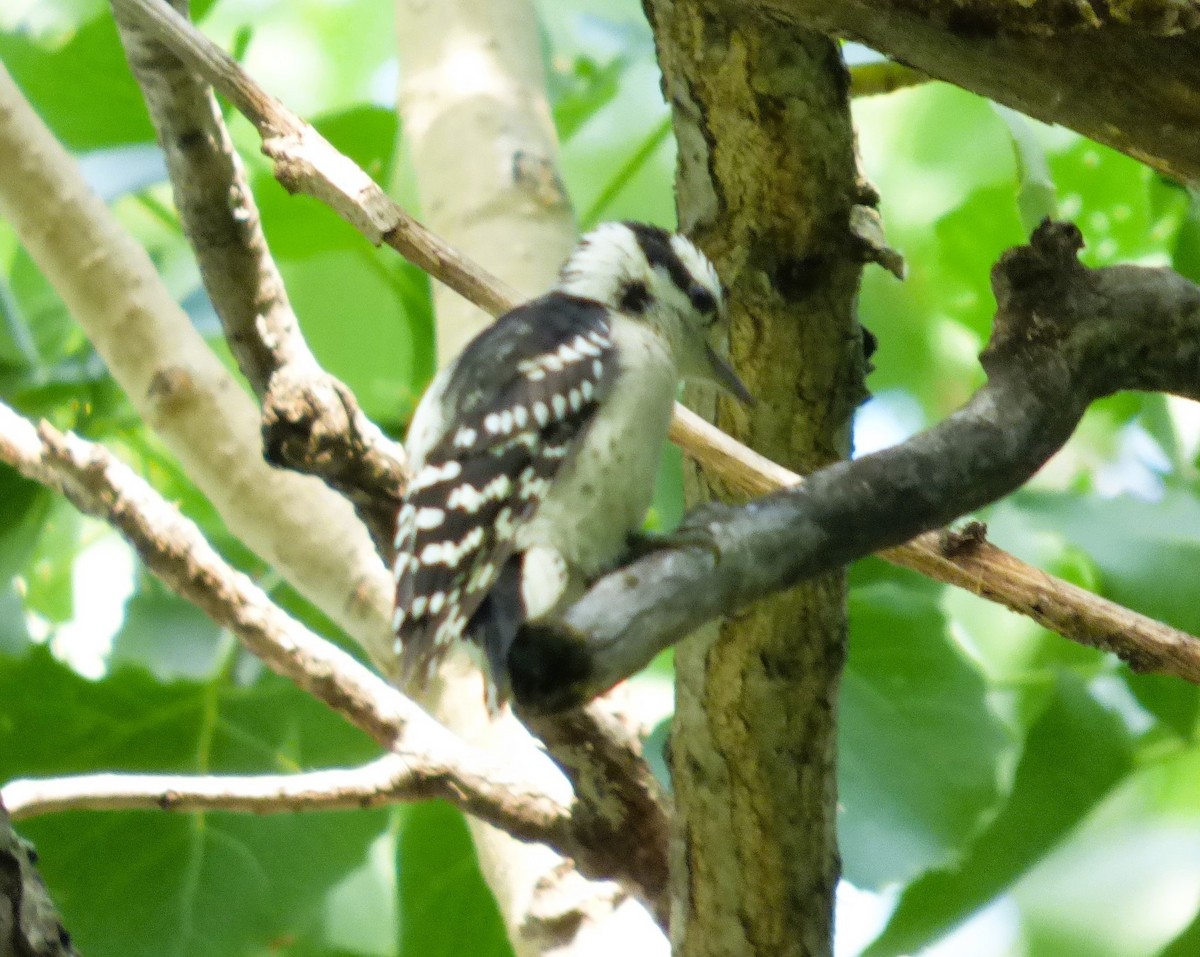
point(987, 766)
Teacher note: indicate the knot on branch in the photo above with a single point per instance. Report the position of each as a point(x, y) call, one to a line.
point(308, 423)
point(1039, 271)
point(548, 668)
point(312, 424)
point(1099, 330)
point(1040, 290)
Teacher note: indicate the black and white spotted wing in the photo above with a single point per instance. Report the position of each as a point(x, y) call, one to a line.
point(518, 401)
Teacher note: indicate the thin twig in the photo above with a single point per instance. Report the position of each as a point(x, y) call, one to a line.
point(390, 779)
point(305, 162)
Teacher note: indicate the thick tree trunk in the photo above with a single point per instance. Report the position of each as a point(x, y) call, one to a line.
point(766, 182)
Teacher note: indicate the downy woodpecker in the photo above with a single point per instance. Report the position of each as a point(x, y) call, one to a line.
point(534, 454)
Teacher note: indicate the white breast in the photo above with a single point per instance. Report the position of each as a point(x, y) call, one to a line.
point(604, 492)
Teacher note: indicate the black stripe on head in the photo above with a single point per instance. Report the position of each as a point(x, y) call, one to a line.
point(655, 243)
point(656, 246)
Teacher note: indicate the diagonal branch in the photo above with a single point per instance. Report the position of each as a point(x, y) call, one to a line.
point(491, 787)
point(306, 162)
point(986, 571)
point(1064, 336)
point(311, 420)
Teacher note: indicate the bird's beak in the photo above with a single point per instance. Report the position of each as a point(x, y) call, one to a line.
point(725, 377)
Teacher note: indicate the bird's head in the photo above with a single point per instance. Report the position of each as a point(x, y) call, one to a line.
point(661, 279)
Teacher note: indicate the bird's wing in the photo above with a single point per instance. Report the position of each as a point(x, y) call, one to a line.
point(517, 403)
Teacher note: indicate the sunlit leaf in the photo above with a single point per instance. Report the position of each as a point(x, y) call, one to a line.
point(1073, 756)
point(920, 754)
point(150, 883)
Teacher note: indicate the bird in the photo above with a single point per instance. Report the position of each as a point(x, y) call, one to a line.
point(533, 455)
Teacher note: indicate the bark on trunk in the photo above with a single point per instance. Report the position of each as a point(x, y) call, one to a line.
point(766, 184)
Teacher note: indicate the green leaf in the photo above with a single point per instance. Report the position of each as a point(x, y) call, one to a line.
point(1074, 755)
point(367, 134)
point(625, 173)
point(88, 98)
point(17, 347)
point(387, 360)
point(169, 637)
point(932, 326)
point(24, 506)
point(1173, 701)
point(151, 883)
point(1114, 201)
point(445, 908)
point(49, 574)
point(581, 90)
point(53, 332)
point(1187, 943)
point(920, 753)
point(14, 636)
point(1037, 195)
point(1186, 256)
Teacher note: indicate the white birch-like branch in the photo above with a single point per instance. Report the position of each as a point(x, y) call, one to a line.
point(391, 779)
point(179, 386)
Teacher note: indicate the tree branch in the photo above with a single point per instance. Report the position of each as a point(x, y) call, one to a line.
point(311, 421)
point(305, 162)
point(390, 779)
point(972, 563)
point(181, 389)
point(1120, 73)
point(491, 787)
point(1064, 336)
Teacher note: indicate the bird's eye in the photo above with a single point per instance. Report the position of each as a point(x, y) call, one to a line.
point(633, 297)
point(702, 300)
